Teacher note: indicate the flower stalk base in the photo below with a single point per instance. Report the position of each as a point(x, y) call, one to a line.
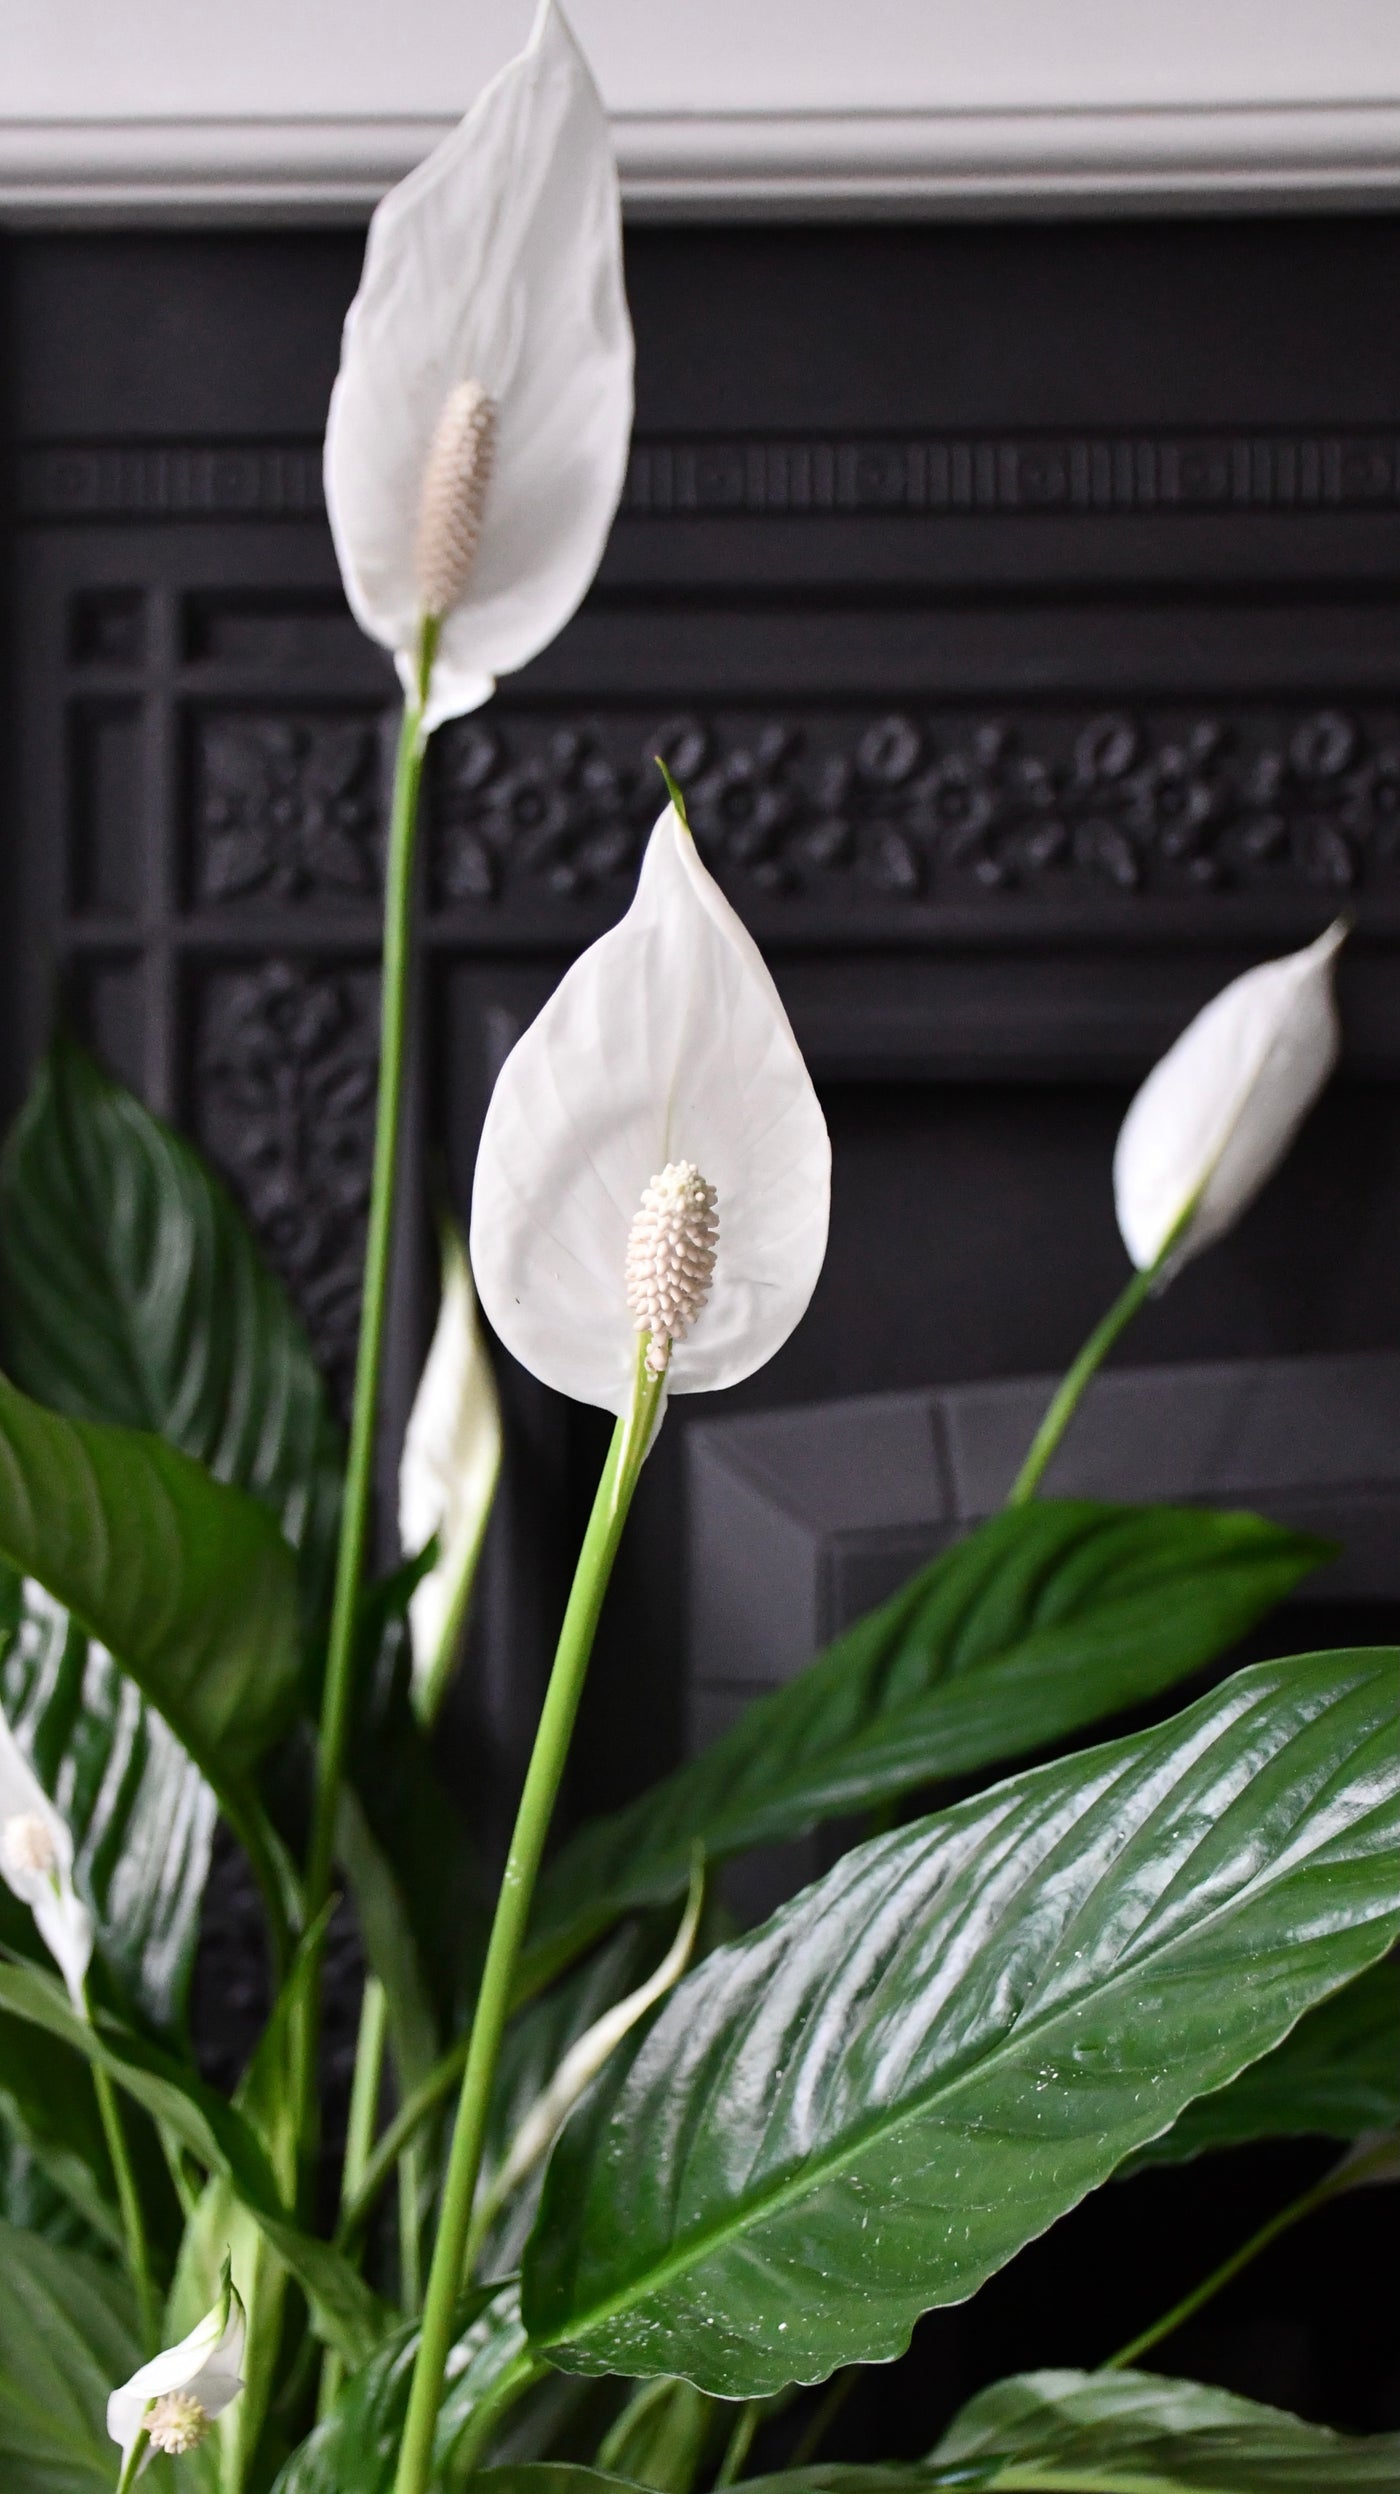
point(630, 1440)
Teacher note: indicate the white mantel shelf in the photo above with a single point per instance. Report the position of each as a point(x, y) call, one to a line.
point(181, 110)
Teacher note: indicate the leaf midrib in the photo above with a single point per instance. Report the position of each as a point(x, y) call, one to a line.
point(814, 2173)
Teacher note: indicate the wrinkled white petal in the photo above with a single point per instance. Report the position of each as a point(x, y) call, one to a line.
point(498, 260)
point(208, 2364)
point(1219, 1112)
point(665, 1042)
point(447, 1475)
point(63, 1921)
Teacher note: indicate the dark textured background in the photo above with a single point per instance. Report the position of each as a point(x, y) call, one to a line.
point(1018, 605)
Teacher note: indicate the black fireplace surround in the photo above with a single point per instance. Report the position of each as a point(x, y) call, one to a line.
point(1017, 605)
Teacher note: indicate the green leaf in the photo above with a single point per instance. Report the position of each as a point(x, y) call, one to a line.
point(67, 2337)
point(1153, 2436)
point(1336, 2075)
point(190, 1583)
point(864, 2108)
point(347, 2314)
point(131, 1290)
point(141, 1814)
point(355, 2449)
point(50, 2112)
point(1042, 1620)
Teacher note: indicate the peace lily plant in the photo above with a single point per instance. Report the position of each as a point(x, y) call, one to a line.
point(622, 2185)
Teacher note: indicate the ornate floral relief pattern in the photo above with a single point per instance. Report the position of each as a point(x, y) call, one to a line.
point(933, 807)
point(285, 1086)
point(286, 808)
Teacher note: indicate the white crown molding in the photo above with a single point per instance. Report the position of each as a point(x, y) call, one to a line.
point(184, 110)
point(734, 164)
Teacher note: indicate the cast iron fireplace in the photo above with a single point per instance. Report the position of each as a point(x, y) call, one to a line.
point(1018, 607)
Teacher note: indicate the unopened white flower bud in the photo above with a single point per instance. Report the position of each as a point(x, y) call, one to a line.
point(28, 1846)
point(453, 496)
point(177, 2423)
point(671, 1257)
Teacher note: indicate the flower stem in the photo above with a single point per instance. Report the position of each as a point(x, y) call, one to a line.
point(739, 2445)
point(1065, 1400)
point(621, 1473)
point(338, 1688)
point(1190, 2304)
point(359, 1477)
point(824, 2416)
point(138, 2257)
point(359, 2138)
point(132, 2464)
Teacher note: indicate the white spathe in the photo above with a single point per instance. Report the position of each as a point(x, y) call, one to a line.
point(1219, 1111)
point(36, 1861)
point(207, 2366)
point(666, 1041)
point(447, 1474)
point(499, 261)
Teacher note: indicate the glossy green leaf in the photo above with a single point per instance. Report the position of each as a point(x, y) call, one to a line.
point(355, 2449)
point(867, 2106)
point(49, 2112)
point(1153, 2436)
point(1336, 2075)
point(67, 2337)
point(131, 1290)
point(1044, 1619)
point(190, 1583)
point(347, 2314)
point(141, 1814)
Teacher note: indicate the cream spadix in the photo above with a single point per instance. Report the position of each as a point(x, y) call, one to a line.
point(1219, 1111)
point(478, 430)
point(653, 1158)
point(36, 1862)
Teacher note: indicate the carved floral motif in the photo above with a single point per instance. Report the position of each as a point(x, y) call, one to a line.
point(922, 806)
point(286, 1086)
point(286, 808)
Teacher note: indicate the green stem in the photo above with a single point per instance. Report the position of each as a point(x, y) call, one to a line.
point(338, 1690)
point(621, 1473)
point(359, 2137)
point(138, 2257)
point(740, 2444)
point(396, 2138)
point(810, 2441)
point(410, 2230)
point(131, 2465)
point(1181, 2312)
point(1066, 1397)
point(359, 1473)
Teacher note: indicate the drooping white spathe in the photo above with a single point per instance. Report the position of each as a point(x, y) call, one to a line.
point(1219, 1111)
point(36, 1862)
point(499, 261)
point(447, 1474)
point(665, 1042)
point(207, 2366)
